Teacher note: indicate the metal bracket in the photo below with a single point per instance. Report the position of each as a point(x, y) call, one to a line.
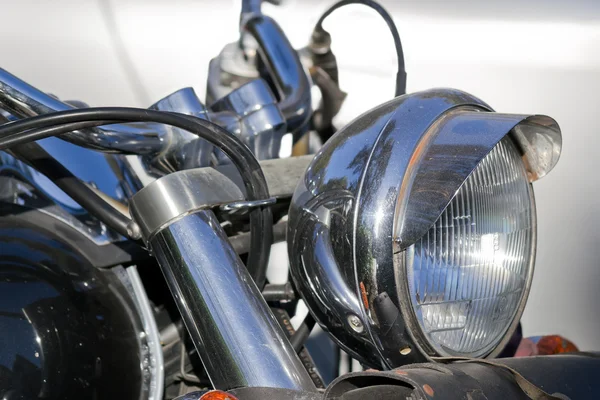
point(246, 204)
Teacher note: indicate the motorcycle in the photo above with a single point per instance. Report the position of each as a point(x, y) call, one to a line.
point(134, 243)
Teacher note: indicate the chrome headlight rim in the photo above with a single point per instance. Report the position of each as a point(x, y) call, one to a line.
point(448, 123)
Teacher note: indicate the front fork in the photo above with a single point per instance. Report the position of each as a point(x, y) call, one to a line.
point(235, 333)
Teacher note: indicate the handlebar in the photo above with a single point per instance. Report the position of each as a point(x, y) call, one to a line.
point(23, 100)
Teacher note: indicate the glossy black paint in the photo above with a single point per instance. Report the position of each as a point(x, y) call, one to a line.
point(66, 328)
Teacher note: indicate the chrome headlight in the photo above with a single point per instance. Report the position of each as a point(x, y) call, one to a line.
point(413, 231)
point(467, 276)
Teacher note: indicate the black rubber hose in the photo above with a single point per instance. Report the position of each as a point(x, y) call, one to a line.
point(261, 219)
point(401, 74)
point(34, 155)
point(302, 333)
point(34, 134)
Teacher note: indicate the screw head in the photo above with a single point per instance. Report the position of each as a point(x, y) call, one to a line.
point(355, 323)
point(134, 231)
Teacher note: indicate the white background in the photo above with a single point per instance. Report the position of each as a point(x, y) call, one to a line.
point(521, 57)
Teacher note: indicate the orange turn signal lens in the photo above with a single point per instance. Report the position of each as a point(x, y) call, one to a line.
point(218, 395)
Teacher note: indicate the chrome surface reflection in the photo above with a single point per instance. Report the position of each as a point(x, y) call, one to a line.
point(162, 148)
point(151, 349)
point(378, 185)
point(180, 193)
point(23, 100)
point(252, 114)
point(237, 337)
point(284, 66)
point(263, 45)
point(24, 186)
point(184, 149)
point(451, 149)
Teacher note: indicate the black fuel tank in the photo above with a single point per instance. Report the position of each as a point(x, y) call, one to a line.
point(67, 330)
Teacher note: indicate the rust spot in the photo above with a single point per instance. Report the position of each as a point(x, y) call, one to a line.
point(400, 372)
point(363, 293)
point(429, 390)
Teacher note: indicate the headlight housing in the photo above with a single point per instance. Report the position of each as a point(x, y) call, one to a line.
point(412, 233)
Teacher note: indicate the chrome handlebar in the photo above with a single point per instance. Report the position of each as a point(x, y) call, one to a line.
point(23, 100)
point(251, 112)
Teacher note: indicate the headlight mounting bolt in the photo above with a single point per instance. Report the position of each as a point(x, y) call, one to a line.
point(355, 323)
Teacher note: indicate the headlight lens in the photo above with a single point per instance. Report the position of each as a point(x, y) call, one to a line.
point(468, 275)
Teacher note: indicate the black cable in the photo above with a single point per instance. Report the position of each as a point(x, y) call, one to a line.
point(302, 333)
point(261, 219)
point(34, 155)
point(278, 292)
point(34, 134)
point(401, 74)
point(241, 241)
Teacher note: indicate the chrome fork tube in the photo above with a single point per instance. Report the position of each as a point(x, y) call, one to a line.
point(237, 337)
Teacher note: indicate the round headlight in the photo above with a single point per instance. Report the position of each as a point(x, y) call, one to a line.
point(412, 233)
point(467, 276)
